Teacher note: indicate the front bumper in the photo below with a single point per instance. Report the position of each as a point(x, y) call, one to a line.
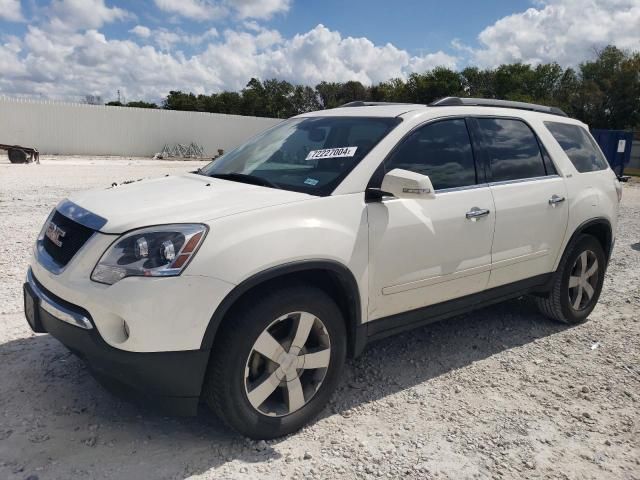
point(171, 381)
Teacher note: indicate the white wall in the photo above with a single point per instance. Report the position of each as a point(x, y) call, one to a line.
point(79, 129)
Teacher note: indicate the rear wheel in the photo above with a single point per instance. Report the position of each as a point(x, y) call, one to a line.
point(276, 362)
point(577, 283)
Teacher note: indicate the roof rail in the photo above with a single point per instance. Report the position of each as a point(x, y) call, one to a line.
point(490, 102)
point(360, 103)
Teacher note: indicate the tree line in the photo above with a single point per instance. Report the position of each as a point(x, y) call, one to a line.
point(603, 92)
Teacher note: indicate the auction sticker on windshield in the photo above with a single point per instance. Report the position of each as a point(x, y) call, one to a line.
point(332, 153)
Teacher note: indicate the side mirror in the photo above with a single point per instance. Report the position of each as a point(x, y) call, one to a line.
point(406, 184)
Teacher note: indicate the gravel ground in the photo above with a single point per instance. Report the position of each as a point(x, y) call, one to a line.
point(498, 393)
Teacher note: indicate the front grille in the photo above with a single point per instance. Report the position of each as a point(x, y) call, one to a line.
point(75, 237)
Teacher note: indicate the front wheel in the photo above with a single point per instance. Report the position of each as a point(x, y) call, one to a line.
point(577, 283)
point(276, 362)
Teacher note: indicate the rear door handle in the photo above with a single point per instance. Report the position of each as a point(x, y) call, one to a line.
point(556, 199)
point(476, 212)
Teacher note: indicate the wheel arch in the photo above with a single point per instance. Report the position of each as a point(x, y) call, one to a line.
point(600, 228)
point(331, 276)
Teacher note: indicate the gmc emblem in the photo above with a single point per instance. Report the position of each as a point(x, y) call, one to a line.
point(55, 233)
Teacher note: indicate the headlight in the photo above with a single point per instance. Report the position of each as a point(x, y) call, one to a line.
point(162, 251)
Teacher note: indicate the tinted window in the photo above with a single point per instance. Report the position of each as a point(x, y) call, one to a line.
point(311, 155)
point(441, 150)
point(578, 145)
point(548, 163)
point(512, 149)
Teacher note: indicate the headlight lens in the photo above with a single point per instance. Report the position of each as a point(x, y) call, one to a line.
point(162, 251)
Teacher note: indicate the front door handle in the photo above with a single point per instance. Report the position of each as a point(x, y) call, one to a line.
point(556, 199)
point(476, 213)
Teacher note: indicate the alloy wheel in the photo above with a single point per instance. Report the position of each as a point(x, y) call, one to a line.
point(287, 364)
point(583, 280)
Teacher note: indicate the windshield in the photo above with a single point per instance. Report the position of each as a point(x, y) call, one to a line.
point(309, 155)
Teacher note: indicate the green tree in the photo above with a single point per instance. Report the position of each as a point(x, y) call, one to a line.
point(177, 100)
point(478, 83)
point(610, 90)
point(430, 86)
point(328, 93)
point(304, 99)
point(141, 104)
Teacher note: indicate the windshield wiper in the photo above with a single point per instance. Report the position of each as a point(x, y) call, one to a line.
point(245, 178)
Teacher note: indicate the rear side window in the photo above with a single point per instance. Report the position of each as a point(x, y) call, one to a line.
point(441, 150)
point(512, 149)
point(548, 163)
point(578, 145)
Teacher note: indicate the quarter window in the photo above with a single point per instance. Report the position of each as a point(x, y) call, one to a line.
point(512, 149)
point(441, 150)
point(578, 145)
point(548, 163)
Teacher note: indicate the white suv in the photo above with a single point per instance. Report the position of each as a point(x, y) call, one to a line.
point(246, 284)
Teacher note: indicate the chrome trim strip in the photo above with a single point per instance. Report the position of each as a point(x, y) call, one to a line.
point(54, 308)
point(491, 184)
point(44, 259)
point(80, 215)
point(459, 189)
point(523, 180)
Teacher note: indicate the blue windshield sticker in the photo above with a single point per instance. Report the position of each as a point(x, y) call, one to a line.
point(311, 181)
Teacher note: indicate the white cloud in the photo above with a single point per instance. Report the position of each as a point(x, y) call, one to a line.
point(83, 14)
point(166, 39)
point(63, 64)
point(170, 39)
point(563, 31)
point(10, 10)
point(260, 8)
point(319, 54)
point(201, 10)
point(141, 31)
point(194, 9)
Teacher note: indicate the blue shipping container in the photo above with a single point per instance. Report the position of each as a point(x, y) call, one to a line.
point(616, 146)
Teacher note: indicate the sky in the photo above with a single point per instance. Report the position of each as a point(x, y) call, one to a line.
point(67, 49)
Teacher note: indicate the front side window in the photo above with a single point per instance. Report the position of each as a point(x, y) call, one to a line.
point(441, 150)
point(512, 149)
point(578, 145)
point(309, 155)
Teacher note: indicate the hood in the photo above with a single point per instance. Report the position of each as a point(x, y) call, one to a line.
point(188, 198)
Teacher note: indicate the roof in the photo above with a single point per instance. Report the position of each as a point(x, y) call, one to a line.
point(450, 105)
point(368, 110)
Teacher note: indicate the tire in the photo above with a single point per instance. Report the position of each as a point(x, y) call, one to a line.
point(17, 156)
point(236, 365)
point(563, 298)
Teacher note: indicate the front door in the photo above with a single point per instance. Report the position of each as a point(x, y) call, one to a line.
point(426, 251)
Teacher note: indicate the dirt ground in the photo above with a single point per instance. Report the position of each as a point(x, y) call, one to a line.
point(499, 393)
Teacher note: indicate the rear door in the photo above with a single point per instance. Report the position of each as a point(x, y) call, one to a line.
point(529, 197)
point(428, 250)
